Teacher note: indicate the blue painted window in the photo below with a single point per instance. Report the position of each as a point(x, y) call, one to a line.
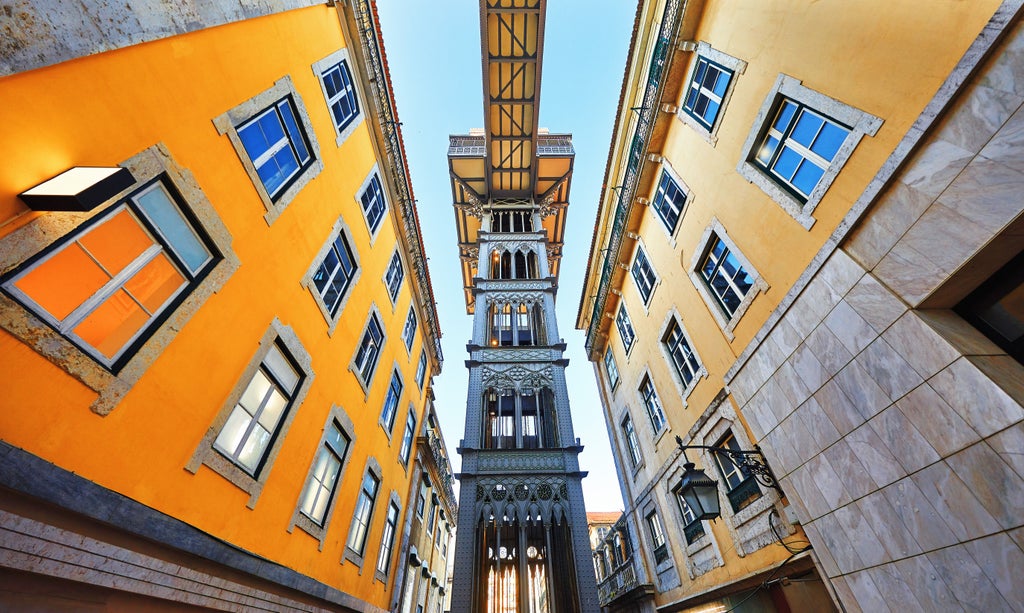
point(725, 276)
point(799, 146)
point(341, 95)
point(669, 201)
point(705, 92)
point(276, 145)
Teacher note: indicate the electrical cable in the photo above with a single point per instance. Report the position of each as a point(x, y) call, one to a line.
point(779, 536)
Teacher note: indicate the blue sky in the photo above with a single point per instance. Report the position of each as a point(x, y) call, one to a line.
point(433, 51)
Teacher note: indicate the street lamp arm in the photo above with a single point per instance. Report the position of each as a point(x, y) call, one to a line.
point(748, 462)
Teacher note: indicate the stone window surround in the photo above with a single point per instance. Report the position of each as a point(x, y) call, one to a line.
point(408, 343)
point(46, 230)
point(705, 541)
point(666, 426)
point(683, 389)
point(667, 167)
point(612, 388)
point(624, 413)
point(650, 506)
point(727, 324)
point(373, 467)
point(338, 417)
point(395, 370)
point(415, 422)
point(341, 55)
point(374, 312)
point(384, 278)
point(340, 227)
point(627, 350)
point(226, 126)
point(737, 66)
point(861, 123)
point(746, 528)
point(206, 454)
point(374, 172)
point(393, 499)
point(638, 248)
point(422, 383)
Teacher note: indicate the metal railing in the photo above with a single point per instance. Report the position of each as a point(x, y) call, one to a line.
point(555, 145)
point(622, 580)
point(396, 159)
point(444, 468)
point(644, 125)
point(469, 146)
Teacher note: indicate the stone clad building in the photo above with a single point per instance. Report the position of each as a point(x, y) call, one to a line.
point(809, 240)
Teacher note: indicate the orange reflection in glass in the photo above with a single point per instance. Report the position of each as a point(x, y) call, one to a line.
point(63, 282)
point(155, 283)
point(117, 242)
point(112, 324)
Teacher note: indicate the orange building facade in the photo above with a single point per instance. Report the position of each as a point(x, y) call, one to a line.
point(216, 373)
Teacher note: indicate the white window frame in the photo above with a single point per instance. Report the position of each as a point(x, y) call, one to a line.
point(421, 369)
point(658, 422)
point(408, 437)
point(622, 320)
point(394, 276)
point(388, 541)
point(206, 454)
point(726, 322)
point(737, 66)
point(409, 330)
point(632, 444)
point(386, 420)
point(46, 232)
point(318, 530)
point(373, 230)
point(859, 122)
point(644, 275)
point(357, 367)
point(320, 69)
point(362, 523)
point(340, 229)
point(699, 373)
point(227, 125)
point(611, 369)
point(667, 172)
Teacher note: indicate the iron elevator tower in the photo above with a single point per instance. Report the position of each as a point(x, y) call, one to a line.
point(522, 544)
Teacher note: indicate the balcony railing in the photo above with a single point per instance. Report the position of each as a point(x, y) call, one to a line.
point(443, 467)
point(469, 146)
point(634, 165)
point(622, 580)
point(554, 145)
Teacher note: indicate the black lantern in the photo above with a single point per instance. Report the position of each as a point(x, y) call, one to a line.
point(700, 492)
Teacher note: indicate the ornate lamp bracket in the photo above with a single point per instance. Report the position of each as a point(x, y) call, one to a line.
point(748, 462)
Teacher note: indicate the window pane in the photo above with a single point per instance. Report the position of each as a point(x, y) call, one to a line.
point(112, 324)
point(164, 214)
point(156, 283)
point(829, 141)
point(252, 450)
point(806, 128)
point(64, 281)
point(233, 431)
point(281, 368)
point(117, 242)
point(273, 410)
point(785, 116)
point(254, 394)
point(294, 134)
point(807, 177)
point(787, 163)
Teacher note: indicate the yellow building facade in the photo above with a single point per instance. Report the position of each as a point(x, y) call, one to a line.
point(219, 353)
point(766, 160)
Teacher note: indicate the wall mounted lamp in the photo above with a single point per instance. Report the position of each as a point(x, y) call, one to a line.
point(701, 492)
point(80, 188)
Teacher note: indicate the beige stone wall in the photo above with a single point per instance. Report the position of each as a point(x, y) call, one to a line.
point(895, 426)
